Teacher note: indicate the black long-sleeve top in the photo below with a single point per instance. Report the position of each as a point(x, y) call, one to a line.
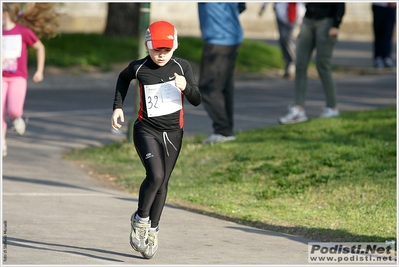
point(149, 73)
point(326, 10)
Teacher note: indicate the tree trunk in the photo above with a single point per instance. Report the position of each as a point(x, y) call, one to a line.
point(123, 19)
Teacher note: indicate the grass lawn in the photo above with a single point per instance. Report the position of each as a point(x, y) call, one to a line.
point(325, 179)
point(78, 49)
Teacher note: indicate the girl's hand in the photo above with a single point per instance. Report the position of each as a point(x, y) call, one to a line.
point(40, 57)
point(180, 82)
point(38, 76)
point(118, 113)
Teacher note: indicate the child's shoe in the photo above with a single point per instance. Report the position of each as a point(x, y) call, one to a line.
point(139, 234)
point(152, 243)
point(19, 125)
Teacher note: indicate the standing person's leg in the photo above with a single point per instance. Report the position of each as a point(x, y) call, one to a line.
point(387, 33)
point(305, 45)
point(287, 44)
point(216, 84)
point(378, 29)
point(324, 51)
point(227, 77)
point(16, 101)
point(212, 96)
point(304, 48)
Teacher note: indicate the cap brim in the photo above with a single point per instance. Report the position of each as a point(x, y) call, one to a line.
point(160, 44)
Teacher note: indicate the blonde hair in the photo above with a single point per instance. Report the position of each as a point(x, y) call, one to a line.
point(39, 17)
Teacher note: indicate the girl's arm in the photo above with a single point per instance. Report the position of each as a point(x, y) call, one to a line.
point(40, 56)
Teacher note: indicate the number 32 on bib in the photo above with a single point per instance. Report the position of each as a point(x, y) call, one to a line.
point(162, 99)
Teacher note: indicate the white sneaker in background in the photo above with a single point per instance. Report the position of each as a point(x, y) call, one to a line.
point(329, 113)
point(294, 115)
point(19, 126)
point(388, 62)
point(218, 138)
point(378, 63)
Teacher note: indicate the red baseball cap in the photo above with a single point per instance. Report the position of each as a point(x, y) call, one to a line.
point(161, 34)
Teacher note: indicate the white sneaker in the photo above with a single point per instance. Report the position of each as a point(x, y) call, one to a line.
point(378, 63)
point(152, 243)
point(329, 113)
point(19, 126)
point(218, 138)
point(294, 115)
point(139, 234)
point(388, 62)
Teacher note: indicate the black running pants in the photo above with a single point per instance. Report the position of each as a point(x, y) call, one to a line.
point(158, 152)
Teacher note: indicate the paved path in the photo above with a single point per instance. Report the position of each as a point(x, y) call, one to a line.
point(56, 214)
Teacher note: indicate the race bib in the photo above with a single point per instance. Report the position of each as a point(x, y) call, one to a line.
point(162, 99)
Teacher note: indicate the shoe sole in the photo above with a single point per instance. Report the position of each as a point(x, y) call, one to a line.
point(327, 117)
point(147, 256)
point(219, 141)
point(293, 122)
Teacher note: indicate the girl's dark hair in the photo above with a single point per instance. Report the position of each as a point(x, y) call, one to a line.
point(39, 17)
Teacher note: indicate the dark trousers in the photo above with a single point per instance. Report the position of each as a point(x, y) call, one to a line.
point(216, 84)
point(384, 19)
point(158, 152)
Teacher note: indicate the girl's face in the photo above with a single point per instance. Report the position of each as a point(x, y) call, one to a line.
point(8, 24)
point(160, 56)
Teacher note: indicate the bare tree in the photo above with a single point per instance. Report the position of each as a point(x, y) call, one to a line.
point(123, 19)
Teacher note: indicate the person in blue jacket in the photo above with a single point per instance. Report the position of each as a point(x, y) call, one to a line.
point(222, 32)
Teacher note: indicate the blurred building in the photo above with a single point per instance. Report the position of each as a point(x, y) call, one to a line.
point(91, 17)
